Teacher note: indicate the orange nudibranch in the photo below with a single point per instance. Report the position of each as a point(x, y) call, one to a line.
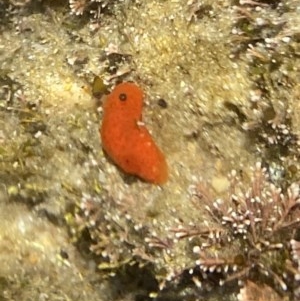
point(126, 141)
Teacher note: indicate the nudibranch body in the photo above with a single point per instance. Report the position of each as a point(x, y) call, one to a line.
point(126, 140)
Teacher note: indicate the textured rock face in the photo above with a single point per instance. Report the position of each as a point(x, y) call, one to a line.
point(228, 77)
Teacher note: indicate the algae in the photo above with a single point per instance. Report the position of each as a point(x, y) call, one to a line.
point(229, 75)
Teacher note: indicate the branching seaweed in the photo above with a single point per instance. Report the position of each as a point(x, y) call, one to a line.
point(255, 237)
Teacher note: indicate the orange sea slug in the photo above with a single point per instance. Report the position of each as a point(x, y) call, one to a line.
point(126, 141)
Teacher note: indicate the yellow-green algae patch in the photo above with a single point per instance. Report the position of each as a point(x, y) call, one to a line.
point(40, 55)
point(37, 259)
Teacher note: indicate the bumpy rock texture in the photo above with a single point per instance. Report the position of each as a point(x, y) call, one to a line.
point(221, 80)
